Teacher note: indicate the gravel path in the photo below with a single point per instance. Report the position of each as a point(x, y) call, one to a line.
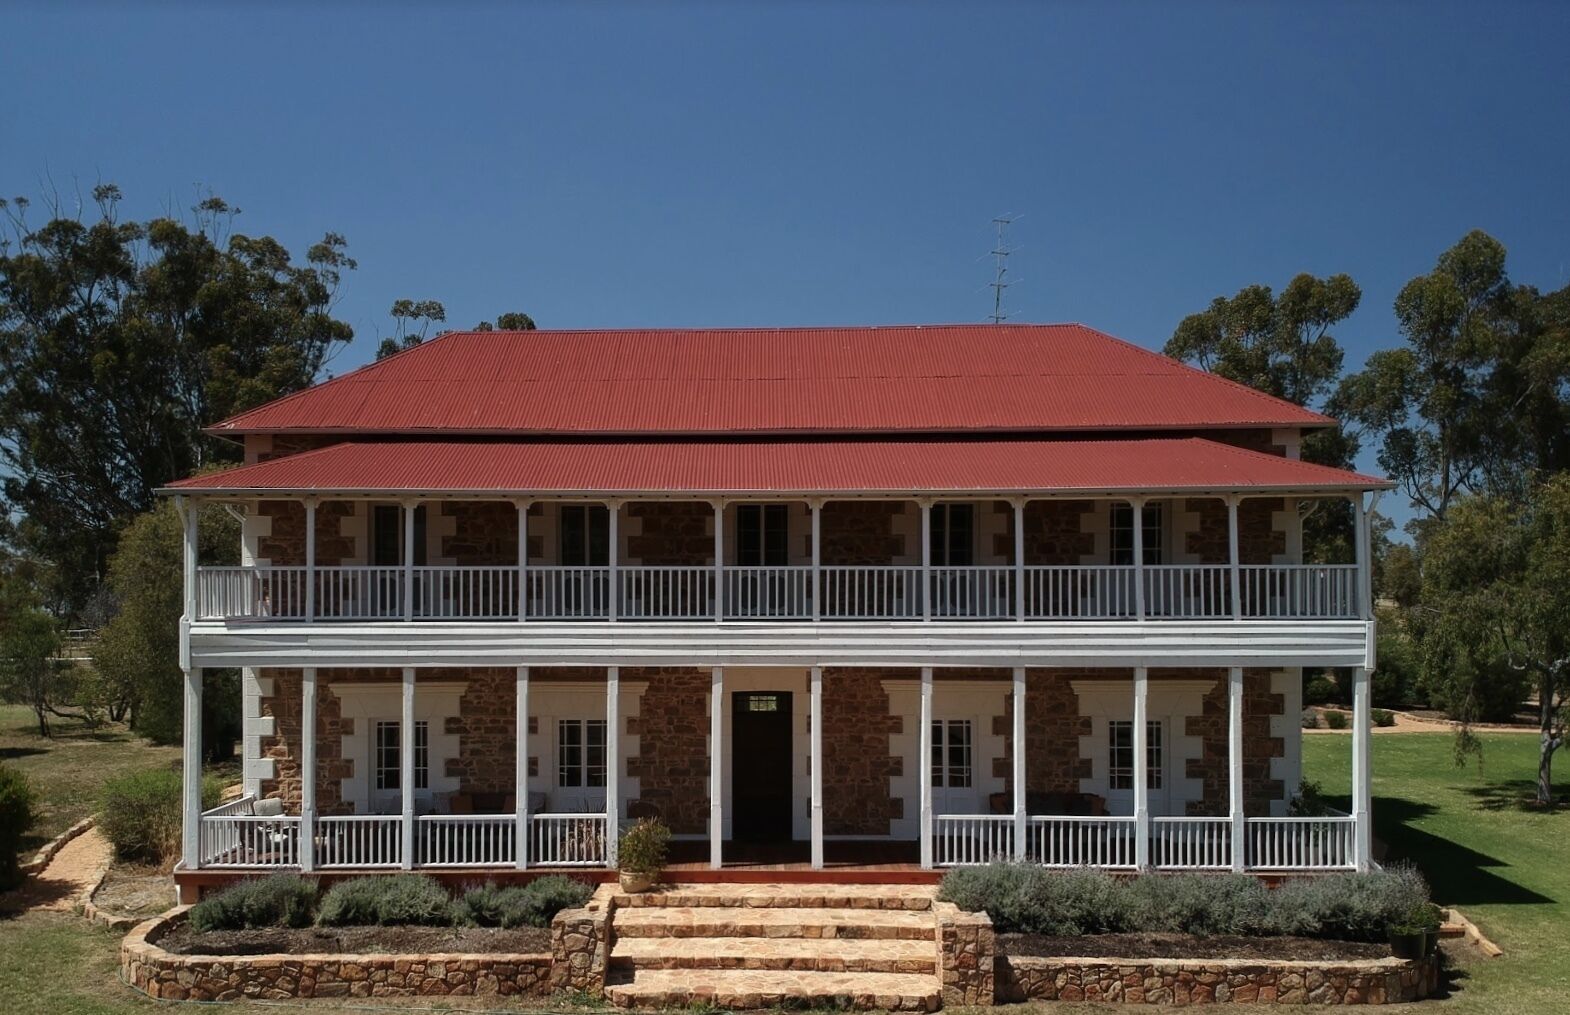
point(70, 876)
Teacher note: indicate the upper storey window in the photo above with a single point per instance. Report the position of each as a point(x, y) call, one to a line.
point(762, 535)
point(585, 535)
point(1122, 531)
point(953, 536)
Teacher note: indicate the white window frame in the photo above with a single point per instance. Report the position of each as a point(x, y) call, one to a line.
point(583, 769)
point(1120, 778)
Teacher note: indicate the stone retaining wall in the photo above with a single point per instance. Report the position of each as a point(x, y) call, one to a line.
point(1240, 981)
point(168, 976)
point(967, 956)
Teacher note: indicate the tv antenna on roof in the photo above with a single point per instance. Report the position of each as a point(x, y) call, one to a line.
point(1000, 256)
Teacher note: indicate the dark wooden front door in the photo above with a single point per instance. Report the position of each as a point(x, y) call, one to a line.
point(760, 766)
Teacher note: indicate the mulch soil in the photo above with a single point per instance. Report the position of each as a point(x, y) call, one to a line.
point(357, 940)
point(1187, 946)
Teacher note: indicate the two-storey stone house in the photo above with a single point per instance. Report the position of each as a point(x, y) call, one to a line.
point(885, 599)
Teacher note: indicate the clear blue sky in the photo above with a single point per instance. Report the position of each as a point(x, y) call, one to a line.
point(806, 163)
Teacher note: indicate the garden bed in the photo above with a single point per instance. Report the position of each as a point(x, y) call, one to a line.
point(1189, 946)
point(183, 940)
point(134, 890)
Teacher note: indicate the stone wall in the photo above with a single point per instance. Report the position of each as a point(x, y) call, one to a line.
point(485, 533)
point(861, 532)
point(1237, 981)
point(171, 977)
point(1259, 747)
point(581, 945)
point(285, 544)
point(1053, 727)
point(857, 728)
point(1054, 532)
point(487, 728)
point(1258, 540)
point(669, 533)
point(672, 727)
point(967, 956)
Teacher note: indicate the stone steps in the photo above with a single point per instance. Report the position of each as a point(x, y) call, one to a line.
point(744, 989)
point(914, 898)
point(776, 922)
point(828, 955)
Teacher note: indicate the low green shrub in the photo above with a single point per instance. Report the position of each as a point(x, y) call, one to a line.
point(140, 814)
point(530, 905)
point(1310, 719)
point(1382, 717)
point(278, 900)
point(1021, 898)
point(18, 815)
point(398, 899)
point(1321, 691)
point(1335, 720)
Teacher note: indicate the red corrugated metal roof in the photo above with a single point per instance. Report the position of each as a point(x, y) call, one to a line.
point(942, 378)
point(727, 467)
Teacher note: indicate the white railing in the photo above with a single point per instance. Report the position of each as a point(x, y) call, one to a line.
point(1312, 843)
point(1058, 840)
point(567, 840)
point(1299, 590)
point(359, 840)
point(359, 593)
point(1187, 591)
point(674, 592)
point(223, 593)
point(568, 593)
point(1184, 843)
point(872, 592)
point(466, 593)
point(972, 592)
point(959, 839)
point(231, 836)
point(781, 593)
point(466, 840)
point(1091, 591)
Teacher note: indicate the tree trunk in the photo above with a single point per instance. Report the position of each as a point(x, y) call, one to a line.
point(43, 721)
point(1547, 741)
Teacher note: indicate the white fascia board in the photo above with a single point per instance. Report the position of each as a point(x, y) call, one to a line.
point(903, 644)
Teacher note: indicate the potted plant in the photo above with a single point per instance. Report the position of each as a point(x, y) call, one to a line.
point(641, 855)
point(1416, 933)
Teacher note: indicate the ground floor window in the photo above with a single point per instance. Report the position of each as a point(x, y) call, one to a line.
point(389, 755)
point(580, 752)
point(951, 754)
point(1120, 754)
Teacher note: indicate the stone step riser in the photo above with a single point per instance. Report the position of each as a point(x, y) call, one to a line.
point(632, 997)
point(909, 904)
point(862, 932)
point(822, 964)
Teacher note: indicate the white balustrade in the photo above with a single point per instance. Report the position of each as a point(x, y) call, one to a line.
point(359, 840)
point(972, 592)
point(466, 593)
point(568, 593)
point(777, 593)
point(1091, 591)
point(224, 593)
point(567, 840)
point(1191, 843)
point(1306, 843)
point(1187, 591)
point(359, 593)
point(231, 836)
point(1061, 840)
point(961, 839)
point(676, 593)
point(1299, 590)
point(872, 592)
point(466, 840)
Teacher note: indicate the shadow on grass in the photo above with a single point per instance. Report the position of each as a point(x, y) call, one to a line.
point(12, 753)
point(1458, 875)
point(1513, 795)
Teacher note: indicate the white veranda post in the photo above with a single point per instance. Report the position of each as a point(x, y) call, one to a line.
point(1235, 765)
point(924, 765)
point(716, 767)
point(406, 769)
point(1141, 763)
point(815, 719)
point(1363, 845)
point(612, 763)
point(308, 768)
point(1234, 569)
point(1021, 816)
point(520, 765)
point(1137, 513)
point(191, 755)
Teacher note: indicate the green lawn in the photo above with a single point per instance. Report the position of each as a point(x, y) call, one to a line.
point(1506, 866)
point(71, 767)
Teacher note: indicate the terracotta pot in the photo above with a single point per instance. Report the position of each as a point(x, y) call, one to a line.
point(634, 883)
